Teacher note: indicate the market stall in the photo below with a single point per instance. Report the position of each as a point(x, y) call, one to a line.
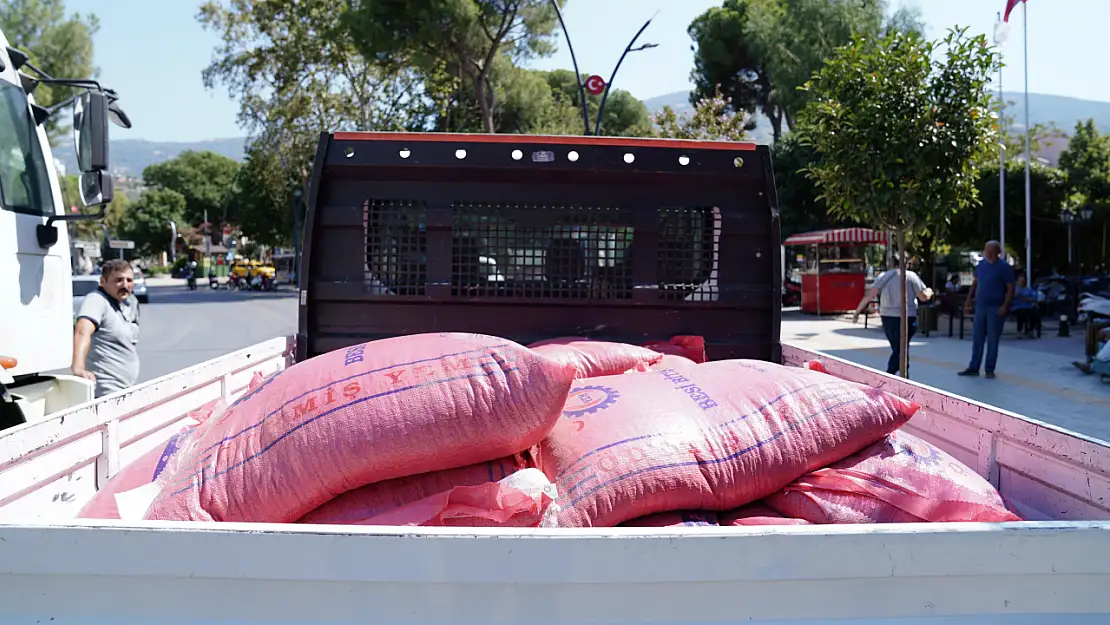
point(835, 274)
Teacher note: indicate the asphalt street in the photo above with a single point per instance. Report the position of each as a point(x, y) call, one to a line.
point(180, 328)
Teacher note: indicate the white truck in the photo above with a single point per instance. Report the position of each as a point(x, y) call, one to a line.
point(610, 238)
point(35, 269)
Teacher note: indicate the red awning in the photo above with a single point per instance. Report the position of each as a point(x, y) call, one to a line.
point(841, 235)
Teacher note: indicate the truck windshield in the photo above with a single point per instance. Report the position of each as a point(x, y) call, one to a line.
point(24, 179)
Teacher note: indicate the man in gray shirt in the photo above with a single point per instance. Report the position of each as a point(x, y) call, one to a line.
point(106, 336)
point(888, 288)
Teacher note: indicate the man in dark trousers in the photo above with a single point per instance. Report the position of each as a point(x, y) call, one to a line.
point(106, 336)
point(888, 288)
point(991, 293)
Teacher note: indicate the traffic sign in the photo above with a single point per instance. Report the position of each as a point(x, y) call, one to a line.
point(119, 244)
point(595, 84)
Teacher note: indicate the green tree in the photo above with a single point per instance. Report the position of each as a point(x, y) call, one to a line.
point(713, 120)
point(726, 59)
point(801, 208)
point(59, 44)
point(261, 199)
point(625, 116)
point(899, 124)
point(295, 63)
point(1086, 163)
point(295, 71)
point(202, 178)
point(761, 51)
point(1049, 191)
point(463, 38)
point(147, 223)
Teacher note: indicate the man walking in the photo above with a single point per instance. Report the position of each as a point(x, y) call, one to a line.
point(106, 336)
point(888, 288)
point(991, 293)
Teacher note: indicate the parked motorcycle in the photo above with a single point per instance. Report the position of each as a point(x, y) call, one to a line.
point(791, 293)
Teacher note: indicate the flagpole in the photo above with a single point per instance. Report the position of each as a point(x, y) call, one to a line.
point(1028, 153)
point(1001, 148)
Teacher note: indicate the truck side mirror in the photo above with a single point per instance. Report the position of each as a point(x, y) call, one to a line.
point(90, 131)
point(90, 137)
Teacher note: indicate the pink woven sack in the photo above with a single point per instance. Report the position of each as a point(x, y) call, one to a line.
point(520, 499)
point(595, 358)
point(757, 514)
point(899, 479)
point(668, 361)
point(147, 467)
point(358, 505)
point(690, 347)
point(713, 436)
point(680, 518)
point(368, 413)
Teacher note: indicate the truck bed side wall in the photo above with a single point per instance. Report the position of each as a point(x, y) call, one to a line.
point(1044, 472)
point(50, 468)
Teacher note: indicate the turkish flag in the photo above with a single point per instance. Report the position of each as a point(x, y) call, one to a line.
point(1010, 6)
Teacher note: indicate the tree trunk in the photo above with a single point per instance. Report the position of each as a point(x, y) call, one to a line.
point(773, 115)
point(483, 102)
point(904, 340)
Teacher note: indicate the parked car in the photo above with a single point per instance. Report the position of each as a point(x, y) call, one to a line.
point(140, 291)
point(82, 286)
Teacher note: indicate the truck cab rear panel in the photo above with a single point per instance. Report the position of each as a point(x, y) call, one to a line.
point(535, 237)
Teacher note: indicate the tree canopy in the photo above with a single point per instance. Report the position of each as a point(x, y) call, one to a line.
point(202, 178)
point(464, 39)
point(759, 52)
point(58, 44)
point(899, 125)
point(713, 120)
point(899, 134)
point(147, 221)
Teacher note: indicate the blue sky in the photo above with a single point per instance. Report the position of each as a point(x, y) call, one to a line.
point(153, 51)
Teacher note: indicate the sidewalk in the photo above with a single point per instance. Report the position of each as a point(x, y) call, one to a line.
point(1035, 377)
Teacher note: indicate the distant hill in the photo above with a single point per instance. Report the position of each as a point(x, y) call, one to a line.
point(1063, 111)
point(130, 156)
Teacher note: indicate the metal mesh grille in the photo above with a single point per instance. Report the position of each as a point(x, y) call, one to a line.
point(396, 246)
point(689, 239)
point(560, 251)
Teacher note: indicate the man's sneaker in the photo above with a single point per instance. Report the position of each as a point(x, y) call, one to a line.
point(969, 373)
point(990, 375)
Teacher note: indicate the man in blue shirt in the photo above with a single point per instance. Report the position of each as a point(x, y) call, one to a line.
point(991, 292)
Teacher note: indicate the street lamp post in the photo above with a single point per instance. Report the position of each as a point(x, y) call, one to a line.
point(574, 61)
point(613, 76)
point(1069, 218)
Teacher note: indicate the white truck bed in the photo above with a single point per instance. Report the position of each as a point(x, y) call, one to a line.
point(56, 569)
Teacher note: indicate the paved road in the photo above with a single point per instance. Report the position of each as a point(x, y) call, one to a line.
point(180, 328)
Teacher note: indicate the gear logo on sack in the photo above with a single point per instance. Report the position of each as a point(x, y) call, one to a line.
point(921, 452)
point(588, 400)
